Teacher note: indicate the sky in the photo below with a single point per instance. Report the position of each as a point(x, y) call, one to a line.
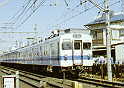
point(53, 14)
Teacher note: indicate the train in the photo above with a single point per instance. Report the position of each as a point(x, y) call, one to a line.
point(64, 50)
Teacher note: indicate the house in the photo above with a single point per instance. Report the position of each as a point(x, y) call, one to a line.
point(98, 32)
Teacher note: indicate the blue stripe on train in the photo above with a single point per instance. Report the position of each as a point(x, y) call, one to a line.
point(85, 57)
point(53, 58)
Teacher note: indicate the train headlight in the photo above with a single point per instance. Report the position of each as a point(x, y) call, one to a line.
point(88, 56)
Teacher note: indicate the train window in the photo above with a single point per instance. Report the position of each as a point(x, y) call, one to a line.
point(66, 45)
point(77, 45)
point(87, 45)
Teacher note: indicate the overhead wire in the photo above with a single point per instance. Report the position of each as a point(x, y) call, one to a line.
point(69, 10)
point(66, 2)
point(41, 3)
point(68, 19)
point(27, 8)
point(22, 7)
point(74, 15)
point(10, 23)
point(23, 11)
point(26, 12)
point(81, 2)
point(12, 20)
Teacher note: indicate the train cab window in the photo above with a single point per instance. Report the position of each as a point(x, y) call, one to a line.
point(67, 45)
point(77, 45)
point(87, 45)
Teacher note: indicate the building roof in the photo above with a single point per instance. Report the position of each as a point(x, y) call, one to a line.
point(114, 18)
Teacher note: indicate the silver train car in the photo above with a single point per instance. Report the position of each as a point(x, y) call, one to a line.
point(64, 50)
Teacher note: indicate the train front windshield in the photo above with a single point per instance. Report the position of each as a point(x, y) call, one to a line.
point(77, 45)
point(66, 45)
point(87, 45)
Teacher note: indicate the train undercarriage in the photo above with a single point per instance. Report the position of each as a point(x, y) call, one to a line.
point(57, 71)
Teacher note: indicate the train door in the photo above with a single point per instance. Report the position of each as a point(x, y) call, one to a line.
point(77, 52)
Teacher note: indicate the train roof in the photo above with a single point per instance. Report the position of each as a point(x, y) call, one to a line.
point(55, 34)
point(73, 30)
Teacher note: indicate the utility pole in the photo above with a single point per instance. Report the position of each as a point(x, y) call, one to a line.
point(108, 40)
point(106, 10)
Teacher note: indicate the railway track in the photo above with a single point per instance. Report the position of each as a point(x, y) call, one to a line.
point(99, 82)
point(37, 81)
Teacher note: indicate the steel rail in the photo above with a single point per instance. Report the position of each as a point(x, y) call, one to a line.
point(99, 82)
point(59, 82)
point(34, 79)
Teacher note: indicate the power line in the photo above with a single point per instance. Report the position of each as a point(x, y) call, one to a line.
point(80, 4)
point(22, 12)
point(70, 10)
point(16, 14)
point(72, 17)
point(41, 3)
point(26, 12)
point(75, 16)
point(13, 20)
